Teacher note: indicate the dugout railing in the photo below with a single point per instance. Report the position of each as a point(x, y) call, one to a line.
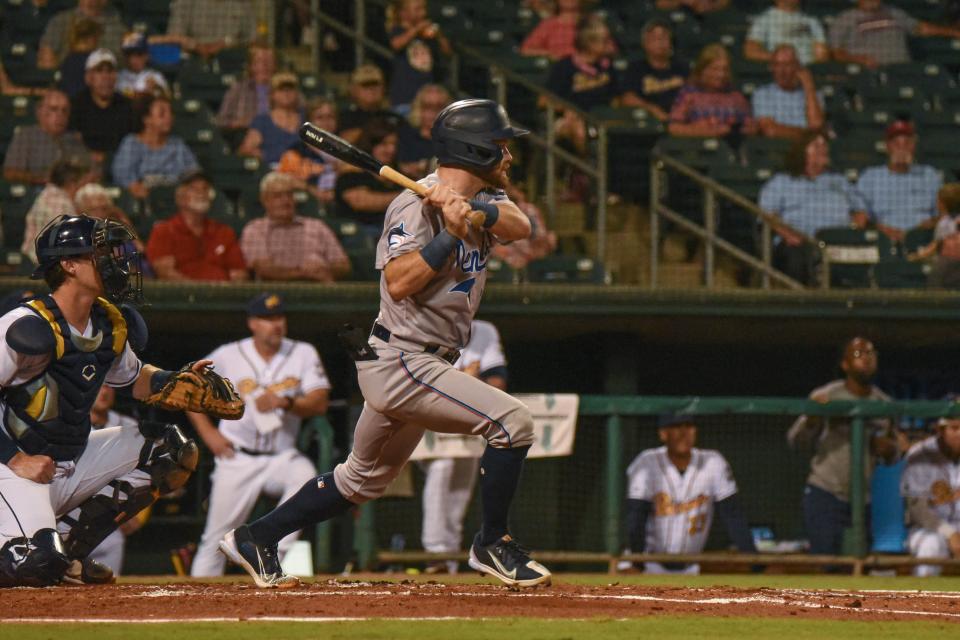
point(615, 412)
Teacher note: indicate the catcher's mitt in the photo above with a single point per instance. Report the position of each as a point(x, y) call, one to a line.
point(203, 391)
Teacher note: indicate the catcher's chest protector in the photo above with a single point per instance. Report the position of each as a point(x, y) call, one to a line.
point(50, 414)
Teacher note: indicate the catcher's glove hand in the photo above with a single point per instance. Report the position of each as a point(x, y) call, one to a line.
point(201, 391)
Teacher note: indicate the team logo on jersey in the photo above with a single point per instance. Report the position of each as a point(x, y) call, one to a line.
point(89, 372)
point(397, 236)
point(663, 504)
point(464, 287)
point(473, 261)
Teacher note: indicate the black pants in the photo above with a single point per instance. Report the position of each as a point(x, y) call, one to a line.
point(797, 262)
point(825, 518)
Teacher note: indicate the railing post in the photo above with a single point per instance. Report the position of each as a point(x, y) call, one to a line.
point(654, 221)
point(766, 249)
point(454, 76)
point(365, 537)
point(551, 162)
point(315, 42)
point(614, 482)
point(825, 265)
point(858, 497)
point(602, 193)
point(499, 86)
point(710, 225)
point(360, 20)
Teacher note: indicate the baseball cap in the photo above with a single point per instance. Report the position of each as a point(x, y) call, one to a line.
point(134, 42)
point(367, 74)
point(900, 128)
point(99, 57)
point(284, 79)
point(665, 420)
point(266, 304)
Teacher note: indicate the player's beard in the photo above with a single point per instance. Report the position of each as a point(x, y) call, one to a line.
point(498, 176)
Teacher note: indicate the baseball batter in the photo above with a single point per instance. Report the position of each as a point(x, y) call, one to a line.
point(57, 351)
point(433, 273)
point(672, 492)
point(448, 482)
point(931, 487)
point(283, 381)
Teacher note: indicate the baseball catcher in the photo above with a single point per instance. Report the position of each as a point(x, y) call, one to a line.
point(57, 351)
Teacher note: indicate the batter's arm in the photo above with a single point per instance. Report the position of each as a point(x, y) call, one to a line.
point(512, 223)
point(406, 275)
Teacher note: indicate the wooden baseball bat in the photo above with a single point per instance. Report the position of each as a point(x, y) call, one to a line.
point(352, 155)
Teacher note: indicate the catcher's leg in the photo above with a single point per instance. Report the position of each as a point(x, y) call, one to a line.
point(37, 561)
point(166, 460)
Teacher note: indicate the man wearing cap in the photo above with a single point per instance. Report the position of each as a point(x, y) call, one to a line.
point(191, 246)
point(136, 78)
point(672, 492)
point(367, 102)
point(283, 382)
point(101, 115)
point(54, 44)
point(284, 246)
point(34, 148)
point(275, 131)
point(901, 195)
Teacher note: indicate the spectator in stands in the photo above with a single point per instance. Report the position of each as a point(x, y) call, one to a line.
point(696, 7)
point(554, 37)
point(272, 133)
point(672, 493)
point(54, 45)
point(784, 23)
point(362, 196)
point(419, 49)
point(251, 96)
point(654, 82)
point(415, 147)
point(874, 34)
point(945, 272)
point(542, 241)
point(790, 105)
point(136, 77)
point(587, 79)
point(316, 170)
point(101, 115)
point(901, 195)
point(708, 105)
point(9, 88)
point(806, 197)
point(191, 246)
point(36, 147)
point(84, 38)
point(94, 200)
point(284, 246)
point(367, 102)
point(207, 27)
point(152, 157)
point(56, 199)
point(826, 497)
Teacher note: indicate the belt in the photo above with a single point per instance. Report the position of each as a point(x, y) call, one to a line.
point(450, 355)
point(251, 452)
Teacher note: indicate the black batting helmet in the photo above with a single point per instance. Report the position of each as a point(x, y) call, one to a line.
point(109, 241)
point(465, 134)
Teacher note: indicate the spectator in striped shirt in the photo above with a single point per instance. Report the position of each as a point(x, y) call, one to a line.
point(284, 246)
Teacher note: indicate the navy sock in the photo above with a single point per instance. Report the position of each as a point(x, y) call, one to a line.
point(499, 476)
point(318, 500)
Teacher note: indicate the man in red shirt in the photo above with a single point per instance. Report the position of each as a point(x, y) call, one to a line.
point(190, 246)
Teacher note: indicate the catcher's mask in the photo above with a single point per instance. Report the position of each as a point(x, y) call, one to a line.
point(110, 242)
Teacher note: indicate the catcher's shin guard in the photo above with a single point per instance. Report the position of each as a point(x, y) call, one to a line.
point(168, 456)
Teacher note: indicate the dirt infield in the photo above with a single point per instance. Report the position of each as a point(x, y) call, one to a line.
point(344, 599)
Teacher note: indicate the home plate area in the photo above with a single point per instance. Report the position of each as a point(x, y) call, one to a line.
point(358, 600)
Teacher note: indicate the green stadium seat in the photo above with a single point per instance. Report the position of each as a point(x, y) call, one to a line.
point(930, 76)
point(499, 271)
point(15, 201)
point(916, 239)
point(14, 263)
point(765, 152)
point(944, 51)
point(901, 274)
point(697, 152)
point(899, 99)
point(853, 253)
point(232, 61)
point(235, 174)
point(201, 83)
point(351, 235)
point(746, 181)
point(362, 261)
point(939, 122)
point(566, 270)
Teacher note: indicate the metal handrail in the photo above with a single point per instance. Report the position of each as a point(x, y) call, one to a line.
point(707, 233)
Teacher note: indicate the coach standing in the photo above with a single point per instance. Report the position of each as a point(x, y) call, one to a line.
point(826, 497)
point(282, 381)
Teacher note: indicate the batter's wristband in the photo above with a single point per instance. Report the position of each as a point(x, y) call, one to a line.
point(437, 251)
point(491, 212)
point(158, 379)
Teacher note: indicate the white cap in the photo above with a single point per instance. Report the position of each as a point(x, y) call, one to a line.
point(100, 56)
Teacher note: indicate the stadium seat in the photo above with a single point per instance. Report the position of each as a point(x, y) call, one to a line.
point(901, 274)
point(699, 153)
point(14, 263)
point(499, 271)
point(565, 269)
point(351, 235)
point(916, 239)
point(853, 253)
point(15, 201)
point(235, 174)
point(231, 61)
point(940, 151)
point(765, 152)
point(362, 263)
point(201, 83)
point(929, 76)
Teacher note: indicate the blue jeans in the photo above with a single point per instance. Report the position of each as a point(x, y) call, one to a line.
point(825, 518)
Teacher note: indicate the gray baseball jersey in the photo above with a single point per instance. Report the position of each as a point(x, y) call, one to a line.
point(931, 475)
point(439, 314)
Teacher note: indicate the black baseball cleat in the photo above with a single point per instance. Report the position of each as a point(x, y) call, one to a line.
point(88, 571)
point(508, 562)
point(260, 562)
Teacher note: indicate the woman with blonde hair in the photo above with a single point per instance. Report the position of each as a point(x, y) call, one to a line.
point(709, 105)
point(315, 169)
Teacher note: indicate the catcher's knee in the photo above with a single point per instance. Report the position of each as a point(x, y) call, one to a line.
point(38, 561)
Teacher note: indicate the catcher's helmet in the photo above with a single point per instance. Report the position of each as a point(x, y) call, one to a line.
point(109, 241)
point(465, 132)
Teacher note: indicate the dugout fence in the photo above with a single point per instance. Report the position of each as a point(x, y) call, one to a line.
point(570, 509)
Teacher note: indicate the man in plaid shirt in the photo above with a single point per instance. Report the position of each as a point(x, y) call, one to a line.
point(284, 246)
